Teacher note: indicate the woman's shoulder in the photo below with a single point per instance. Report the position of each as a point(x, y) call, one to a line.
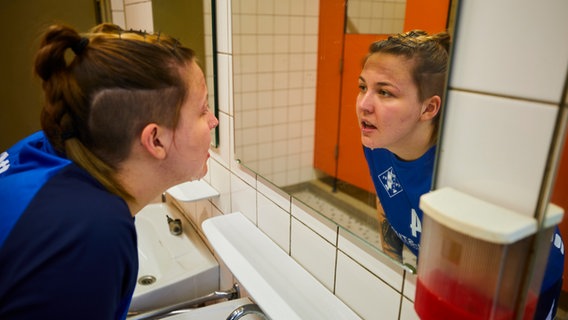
point(75, 192)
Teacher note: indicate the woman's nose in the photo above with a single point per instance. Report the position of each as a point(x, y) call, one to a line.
point(213, 122)
point(364, 103)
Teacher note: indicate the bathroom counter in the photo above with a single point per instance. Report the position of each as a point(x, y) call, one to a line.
point(276, 282)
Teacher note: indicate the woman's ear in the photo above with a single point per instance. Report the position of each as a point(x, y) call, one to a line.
point(431, 107)
point(154, 139)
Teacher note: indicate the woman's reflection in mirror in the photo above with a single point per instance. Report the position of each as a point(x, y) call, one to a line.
point(399, 105)
point(400, 95)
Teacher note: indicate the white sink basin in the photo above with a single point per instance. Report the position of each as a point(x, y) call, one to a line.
point(181, 266)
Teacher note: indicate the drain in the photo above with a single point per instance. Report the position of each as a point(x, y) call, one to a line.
point(146, 280)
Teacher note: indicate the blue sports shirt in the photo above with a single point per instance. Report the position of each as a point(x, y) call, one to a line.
point(399, 185)
point(67, 245)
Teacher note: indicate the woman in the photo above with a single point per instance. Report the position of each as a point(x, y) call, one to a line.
point(125, 118)
point(398, 108)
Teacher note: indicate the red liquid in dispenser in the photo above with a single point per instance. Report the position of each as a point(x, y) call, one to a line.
point(467, 305)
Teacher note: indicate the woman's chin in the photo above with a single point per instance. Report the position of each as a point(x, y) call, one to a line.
point(368, 143)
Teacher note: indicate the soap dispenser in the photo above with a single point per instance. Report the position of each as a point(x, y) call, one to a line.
point(472, 258)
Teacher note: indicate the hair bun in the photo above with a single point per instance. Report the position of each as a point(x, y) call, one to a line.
point(80, 46)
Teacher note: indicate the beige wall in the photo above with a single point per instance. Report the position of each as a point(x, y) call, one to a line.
point(22, 22)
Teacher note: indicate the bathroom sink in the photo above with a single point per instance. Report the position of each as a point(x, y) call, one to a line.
point(172, 268)
point(215, 311)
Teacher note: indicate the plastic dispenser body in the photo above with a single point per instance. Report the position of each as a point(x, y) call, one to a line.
point(472, 259)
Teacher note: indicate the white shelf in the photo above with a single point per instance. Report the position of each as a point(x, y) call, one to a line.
point(276, 282)
point(193, 191)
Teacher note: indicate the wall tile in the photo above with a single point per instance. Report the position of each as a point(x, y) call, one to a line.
point(221, 181)
point(381, 266)
point(312, 7)
point(226, 278)
point(407, 310)
point(513, 47)
point(118, 19)
point(224, 62)
point(266, 7)
point(282, 7)
point(224, 26)
point(138, 16)
point(313, 253)
point(496, 148)
point(410, 285)
point(203, 211)
point(243, 198)
point(363, 292)
point(117, 5)
point(315, 221)
point(281, 198)
point(223, 151)
point(245, 174)
point(274, 221)
point(188, 209)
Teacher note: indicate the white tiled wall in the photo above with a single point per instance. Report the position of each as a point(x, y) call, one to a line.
point(375, 16)
point(506, 82)
point(138, 15)
point(511, 63)
point(274, 54)
point(117, 12)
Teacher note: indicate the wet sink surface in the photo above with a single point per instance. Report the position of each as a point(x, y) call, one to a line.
point(172, 268)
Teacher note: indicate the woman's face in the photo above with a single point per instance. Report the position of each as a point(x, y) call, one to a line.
point(388, 107)
point(193, 134)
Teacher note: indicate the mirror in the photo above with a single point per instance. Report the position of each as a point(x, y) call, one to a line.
point(288, 99)
point(193, 23)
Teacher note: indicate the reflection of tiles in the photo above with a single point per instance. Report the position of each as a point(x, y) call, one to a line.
point(367, 231)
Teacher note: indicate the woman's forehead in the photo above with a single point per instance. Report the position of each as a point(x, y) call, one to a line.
point(389, 65)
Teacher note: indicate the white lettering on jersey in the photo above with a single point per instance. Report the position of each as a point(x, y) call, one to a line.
point(415, 224)
point(4, 162)
point(557, 241)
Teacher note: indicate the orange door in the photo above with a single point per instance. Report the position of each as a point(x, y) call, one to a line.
point(351, 164)
point(338, 150)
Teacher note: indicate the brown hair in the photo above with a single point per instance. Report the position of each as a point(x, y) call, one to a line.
point(430, 54)
point(99, 100)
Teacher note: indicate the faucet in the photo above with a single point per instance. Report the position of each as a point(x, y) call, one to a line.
point(160, 313)
point(251, 308)
point(175, 226)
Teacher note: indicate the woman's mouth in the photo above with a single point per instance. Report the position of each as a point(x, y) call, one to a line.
point(367, 125)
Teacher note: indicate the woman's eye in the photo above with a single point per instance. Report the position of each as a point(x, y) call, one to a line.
point(362, 88)
point(384, 93)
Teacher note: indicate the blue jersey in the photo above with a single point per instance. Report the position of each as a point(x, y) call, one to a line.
point(67, 245)
point(399, 185)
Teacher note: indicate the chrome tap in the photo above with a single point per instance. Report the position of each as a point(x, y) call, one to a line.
point(251, 308)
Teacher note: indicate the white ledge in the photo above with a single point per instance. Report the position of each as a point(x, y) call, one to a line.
point(193, 191)
point(277, 283)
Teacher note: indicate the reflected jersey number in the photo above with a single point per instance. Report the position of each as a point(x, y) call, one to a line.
point(415, 224)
